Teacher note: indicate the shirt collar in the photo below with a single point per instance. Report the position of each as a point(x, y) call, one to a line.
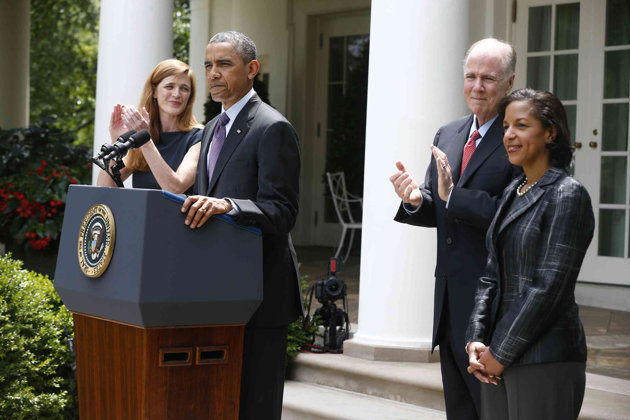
point(484, 128)
point(235, 109)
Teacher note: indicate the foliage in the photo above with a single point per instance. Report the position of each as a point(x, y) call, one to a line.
point(181, 30)
point(64, 51)
point(36, 377)
point(37, 164)
point(300, 332)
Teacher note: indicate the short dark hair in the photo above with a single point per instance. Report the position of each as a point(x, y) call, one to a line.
point(243, 44)
point(551, 113)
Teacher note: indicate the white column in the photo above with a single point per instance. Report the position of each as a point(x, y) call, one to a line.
point(415, 86)
point(14, 63)
point(134, 36)
point(200, 27)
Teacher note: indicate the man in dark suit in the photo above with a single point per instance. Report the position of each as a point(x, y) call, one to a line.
point(249, 168)
point(468, 171)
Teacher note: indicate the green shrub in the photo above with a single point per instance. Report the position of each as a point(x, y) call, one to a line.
point(300, 332)
point(36, 377)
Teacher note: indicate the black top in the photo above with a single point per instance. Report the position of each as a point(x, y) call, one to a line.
point(173, 146)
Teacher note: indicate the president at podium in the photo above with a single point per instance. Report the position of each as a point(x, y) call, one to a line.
point(249, 168)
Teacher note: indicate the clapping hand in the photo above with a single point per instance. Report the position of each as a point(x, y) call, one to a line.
point(116, 124)
point(405, 186)
point(445, 178)
point(134, 119)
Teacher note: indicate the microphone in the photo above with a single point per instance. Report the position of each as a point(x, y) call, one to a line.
point(108, 148)
point(135, 140)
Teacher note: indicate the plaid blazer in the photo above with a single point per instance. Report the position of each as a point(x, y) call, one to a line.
point(525, 307)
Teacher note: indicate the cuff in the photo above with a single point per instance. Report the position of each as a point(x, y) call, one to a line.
point(235, 208)
point(410, 208)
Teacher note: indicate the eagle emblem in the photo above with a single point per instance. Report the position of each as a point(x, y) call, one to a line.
point(96, 240)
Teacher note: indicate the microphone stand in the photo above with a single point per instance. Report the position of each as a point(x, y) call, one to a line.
point(115, 169)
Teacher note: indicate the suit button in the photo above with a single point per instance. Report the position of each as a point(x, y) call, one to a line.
point(449, 241)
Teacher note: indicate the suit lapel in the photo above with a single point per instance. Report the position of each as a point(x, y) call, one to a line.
point(237, 133)
point(523, 203)
point(455, 153)
point(489, 143)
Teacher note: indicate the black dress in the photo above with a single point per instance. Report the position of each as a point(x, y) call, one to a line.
point(173, 146)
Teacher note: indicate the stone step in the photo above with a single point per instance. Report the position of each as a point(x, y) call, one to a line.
point(420, 384)
point(304, 401)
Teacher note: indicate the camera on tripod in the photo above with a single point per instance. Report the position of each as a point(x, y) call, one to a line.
point(331, 289)
point(335, 321)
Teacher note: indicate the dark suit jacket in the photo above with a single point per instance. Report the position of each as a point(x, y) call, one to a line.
point(461, 229)
point(525, 306)
point(259, 169)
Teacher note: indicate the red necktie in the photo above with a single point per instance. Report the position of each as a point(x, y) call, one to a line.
point(469, 149)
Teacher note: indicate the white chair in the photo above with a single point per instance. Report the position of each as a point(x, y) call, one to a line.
point(343, 207)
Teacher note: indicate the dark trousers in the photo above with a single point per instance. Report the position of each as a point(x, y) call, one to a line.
point(544, 391)
point(461, 389)
point(262, 378)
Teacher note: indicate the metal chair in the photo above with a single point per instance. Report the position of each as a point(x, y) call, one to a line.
point(343, 201)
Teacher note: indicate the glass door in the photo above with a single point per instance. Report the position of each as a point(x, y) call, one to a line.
point(581, 52)
point(340, 109)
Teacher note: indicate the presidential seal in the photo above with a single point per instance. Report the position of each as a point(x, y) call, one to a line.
point(96, 240)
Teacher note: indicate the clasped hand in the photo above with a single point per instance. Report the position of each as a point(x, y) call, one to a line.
point(482, 364)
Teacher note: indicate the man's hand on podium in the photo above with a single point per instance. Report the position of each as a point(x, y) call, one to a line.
point(200, 208)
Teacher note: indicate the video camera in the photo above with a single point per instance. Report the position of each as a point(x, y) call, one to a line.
point(331, 289)
point(335, 320)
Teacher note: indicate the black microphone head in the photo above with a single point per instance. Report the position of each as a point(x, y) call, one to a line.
point(139, 138)
point(125, 136)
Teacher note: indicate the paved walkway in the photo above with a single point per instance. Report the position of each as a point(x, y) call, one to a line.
point(607, 331)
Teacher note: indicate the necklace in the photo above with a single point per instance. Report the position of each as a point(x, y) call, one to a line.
point(522, 193)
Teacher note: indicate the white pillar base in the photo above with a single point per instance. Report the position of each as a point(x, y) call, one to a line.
point(388, 353)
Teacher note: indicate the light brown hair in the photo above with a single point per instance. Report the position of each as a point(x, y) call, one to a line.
point(186, 121)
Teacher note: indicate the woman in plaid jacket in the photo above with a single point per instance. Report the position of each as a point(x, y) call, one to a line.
point(525, 339)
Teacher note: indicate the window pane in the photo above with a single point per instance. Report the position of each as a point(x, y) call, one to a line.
point(565, 76)
point(617, 74)
point(611, 232)
point(357, 50)
point(567, 26)
point(617, 22)
point(571, 113)
point(539, 30)
point(612, 183)
point(335, 105)
point(335, 65)
point(538, 73)
point(615, 128)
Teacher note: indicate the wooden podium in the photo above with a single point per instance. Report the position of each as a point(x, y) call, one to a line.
point(159, 334)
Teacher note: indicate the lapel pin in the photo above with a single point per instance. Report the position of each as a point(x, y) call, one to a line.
point(238, 131)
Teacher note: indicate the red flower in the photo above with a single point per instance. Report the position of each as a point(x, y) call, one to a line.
point(43, 163)
point(73, 181)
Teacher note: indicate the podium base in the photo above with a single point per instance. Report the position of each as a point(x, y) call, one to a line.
point(130, 372)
